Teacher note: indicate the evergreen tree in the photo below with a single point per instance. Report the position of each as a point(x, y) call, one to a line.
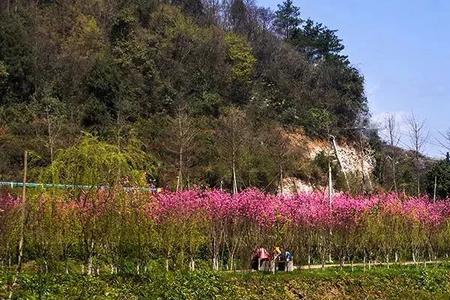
point(318, 42)
point(287, 19)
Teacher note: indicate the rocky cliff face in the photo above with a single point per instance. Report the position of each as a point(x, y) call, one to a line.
point(354, 160)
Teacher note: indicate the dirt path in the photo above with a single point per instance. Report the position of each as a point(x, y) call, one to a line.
point(372, 264)
point(347, 265)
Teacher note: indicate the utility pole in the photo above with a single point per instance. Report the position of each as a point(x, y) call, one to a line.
point(330, 199)
point(363, 172)
point(330, 175)
point(330, 184)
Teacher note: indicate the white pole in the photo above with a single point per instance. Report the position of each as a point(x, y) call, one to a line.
point(330, 184)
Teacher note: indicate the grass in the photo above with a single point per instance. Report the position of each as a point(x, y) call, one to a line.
point(397, 282)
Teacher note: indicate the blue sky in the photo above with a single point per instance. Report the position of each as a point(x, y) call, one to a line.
point(403, 49)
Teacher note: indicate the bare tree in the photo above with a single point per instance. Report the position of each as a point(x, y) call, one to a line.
point(181, 142)
point(394, 139)
point(418, 137)
point(284, 150)
point(51, 119)
point(444, 140)
point(212, 9)
point(230, 136)
point(392, 130)
point(54, 128)
point(264, 17)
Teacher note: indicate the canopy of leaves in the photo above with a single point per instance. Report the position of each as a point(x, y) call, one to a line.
point(240, 56)
point(287, 18)
point(95, 163)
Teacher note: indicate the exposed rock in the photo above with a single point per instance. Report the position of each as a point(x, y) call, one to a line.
point(293, 185)
point(353, 160)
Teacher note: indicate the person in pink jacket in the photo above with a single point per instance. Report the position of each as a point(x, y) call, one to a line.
point(260, 256)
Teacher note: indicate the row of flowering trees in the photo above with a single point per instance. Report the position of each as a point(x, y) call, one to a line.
point(116, 228)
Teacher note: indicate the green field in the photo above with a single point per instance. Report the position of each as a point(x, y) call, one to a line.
point(398, 282)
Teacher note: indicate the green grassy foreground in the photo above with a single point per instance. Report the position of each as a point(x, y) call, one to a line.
point(379, 283)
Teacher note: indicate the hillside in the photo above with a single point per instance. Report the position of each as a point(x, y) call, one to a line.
point(185, 76)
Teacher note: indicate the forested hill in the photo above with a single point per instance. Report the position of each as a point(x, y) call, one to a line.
point(224, 82)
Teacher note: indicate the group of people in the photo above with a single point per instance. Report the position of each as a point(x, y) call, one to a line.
point(263, 260)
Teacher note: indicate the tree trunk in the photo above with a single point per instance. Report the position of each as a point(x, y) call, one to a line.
point(180, 171)
point(232, 262)
point(418, 183)
point(235, 189)
point(180, 157)
point(214, 253)
point(364, 262)
point(322, 257)
point(90, 267)
point(50, 136)
point(435, 189)
point(281, 181)
point(192, 264)
point(167, 264)
point(215, 263)
point(394, 175)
